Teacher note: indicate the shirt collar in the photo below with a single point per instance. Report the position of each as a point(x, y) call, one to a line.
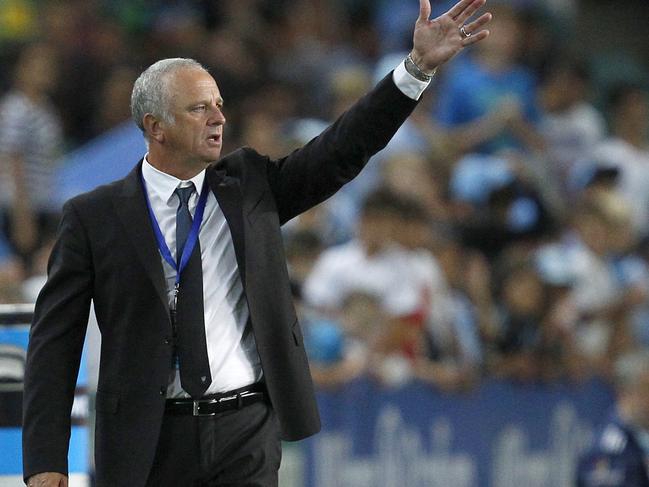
point(163, 184)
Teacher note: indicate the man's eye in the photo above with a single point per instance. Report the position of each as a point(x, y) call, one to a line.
point(199, 108)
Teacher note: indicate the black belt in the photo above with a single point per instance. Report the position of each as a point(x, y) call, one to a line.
point(216, 403)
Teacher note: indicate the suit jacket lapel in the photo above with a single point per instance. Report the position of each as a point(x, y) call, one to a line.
point(130, 205)
point(131, 209)
point(227, 191)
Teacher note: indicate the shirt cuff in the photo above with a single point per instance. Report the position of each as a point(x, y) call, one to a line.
point(407, 83)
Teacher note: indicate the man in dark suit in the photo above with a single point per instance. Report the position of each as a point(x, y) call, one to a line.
point(202, 366)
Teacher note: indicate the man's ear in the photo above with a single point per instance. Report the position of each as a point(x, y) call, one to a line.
point(153, 128)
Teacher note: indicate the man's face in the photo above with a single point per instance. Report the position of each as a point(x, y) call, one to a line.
point(195, 135)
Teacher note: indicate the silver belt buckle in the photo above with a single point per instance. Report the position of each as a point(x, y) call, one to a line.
point(196, 407)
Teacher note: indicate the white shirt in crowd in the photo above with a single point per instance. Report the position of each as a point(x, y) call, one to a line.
point(402, 281)
point(32, 131)
point(571, 134)
point(633, 181)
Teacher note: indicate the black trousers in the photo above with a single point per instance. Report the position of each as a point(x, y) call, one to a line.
point(233, 448)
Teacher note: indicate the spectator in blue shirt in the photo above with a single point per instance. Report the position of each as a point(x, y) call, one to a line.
point(488, 101)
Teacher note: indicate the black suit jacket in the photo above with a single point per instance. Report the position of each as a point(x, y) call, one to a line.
point(106, 252)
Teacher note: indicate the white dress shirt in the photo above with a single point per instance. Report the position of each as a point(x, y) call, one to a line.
point(231, 349)
point(407, 83)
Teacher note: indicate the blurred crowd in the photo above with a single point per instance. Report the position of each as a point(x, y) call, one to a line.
point(504, 232)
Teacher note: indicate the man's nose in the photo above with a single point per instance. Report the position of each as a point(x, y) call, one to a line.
point(216, 117)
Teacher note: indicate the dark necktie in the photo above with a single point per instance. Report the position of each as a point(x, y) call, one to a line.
point(195, 375)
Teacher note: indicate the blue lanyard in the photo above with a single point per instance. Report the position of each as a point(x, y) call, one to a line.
point(192, 238)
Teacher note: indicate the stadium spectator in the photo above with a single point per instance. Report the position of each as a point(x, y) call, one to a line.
point(452, 355)
point(473, 309)
point(619, 455)
point(390, 262)
point(631, 272)
point(89, 46)
point(487, 103)
point(497, 204)
point(117, 88)
point(533, 343)
point(421, 179)
point(234, 60)
point(344, 347)
point(601, 298)
point(570, 125)
point(627, 148)
point(375, 263)
point(30, 143)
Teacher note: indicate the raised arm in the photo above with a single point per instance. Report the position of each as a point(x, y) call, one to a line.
point(313, 173)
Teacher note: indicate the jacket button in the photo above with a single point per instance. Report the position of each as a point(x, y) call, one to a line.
point(163, 390)
point(167, 340)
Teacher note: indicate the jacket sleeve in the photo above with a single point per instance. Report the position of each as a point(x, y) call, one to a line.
point(54, 351)
point(313, 173)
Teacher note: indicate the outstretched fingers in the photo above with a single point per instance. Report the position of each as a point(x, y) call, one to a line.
point(467, 41)
point(473, 27)
point(468, 12)
point(458, 8)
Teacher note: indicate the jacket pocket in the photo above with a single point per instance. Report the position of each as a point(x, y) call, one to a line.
point(107, 402)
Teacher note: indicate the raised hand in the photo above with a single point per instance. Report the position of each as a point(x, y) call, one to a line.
point(436, 41)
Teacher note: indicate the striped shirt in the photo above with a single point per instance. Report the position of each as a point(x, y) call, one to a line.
point(33, 132)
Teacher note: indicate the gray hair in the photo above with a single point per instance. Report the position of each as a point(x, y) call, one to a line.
point(630, 367)
point(151, 92)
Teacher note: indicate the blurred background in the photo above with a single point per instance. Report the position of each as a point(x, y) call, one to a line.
point(465, 300)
